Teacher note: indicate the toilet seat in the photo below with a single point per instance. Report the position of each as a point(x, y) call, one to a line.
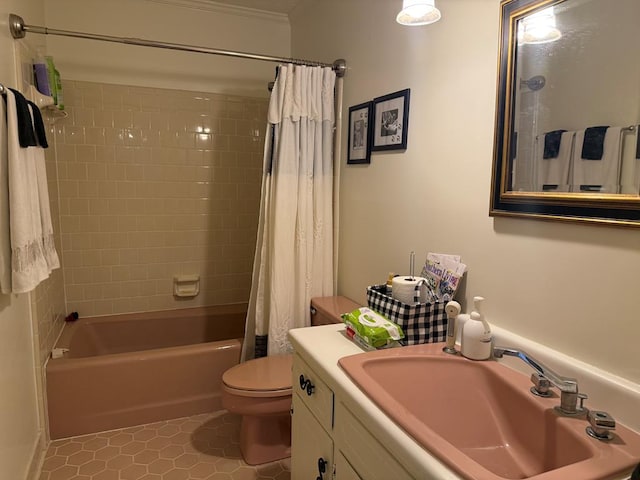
point(262, 377)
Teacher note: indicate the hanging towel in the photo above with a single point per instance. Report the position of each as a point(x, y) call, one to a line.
point(26, 135)
point(553, 174)
point(33, 254)
point(552, 143)
point(593, 144)
point(38, 125)
point(48, 244)
point(598, 176)
point(5, 239)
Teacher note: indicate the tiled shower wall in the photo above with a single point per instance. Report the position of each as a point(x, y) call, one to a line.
point(156, 183)
point(47, 300)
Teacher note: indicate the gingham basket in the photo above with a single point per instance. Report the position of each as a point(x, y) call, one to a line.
point(421, 322)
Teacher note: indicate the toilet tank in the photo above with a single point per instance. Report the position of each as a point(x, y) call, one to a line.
point(327, 310)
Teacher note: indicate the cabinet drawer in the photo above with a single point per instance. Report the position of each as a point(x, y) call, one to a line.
point(313, 392)
point(366, 455)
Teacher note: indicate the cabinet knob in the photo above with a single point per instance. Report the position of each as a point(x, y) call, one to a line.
point(305, 384)
point(322, 467)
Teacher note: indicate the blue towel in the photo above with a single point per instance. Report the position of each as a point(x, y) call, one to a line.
point(26, 135)
point(552, 143)
point(593, 144)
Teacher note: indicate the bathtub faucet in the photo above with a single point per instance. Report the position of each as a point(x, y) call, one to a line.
point(545, 376)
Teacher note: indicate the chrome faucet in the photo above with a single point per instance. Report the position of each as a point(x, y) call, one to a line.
point(568, 387)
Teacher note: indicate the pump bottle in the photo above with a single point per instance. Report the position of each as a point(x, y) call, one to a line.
point(476, 334)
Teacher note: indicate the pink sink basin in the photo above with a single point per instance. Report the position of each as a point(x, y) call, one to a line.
point(480, 419)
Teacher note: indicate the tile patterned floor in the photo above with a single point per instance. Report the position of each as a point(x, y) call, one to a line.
point(201, 447)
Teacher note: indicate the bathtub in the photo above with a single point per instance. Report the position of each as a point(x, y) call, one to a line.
point(126, 370)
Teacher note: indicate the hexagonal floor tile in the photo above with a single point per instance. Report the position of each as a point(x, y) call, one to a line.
point(200, 447)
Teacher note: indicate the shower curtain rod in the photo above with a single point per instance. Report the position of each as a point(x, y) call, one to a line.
point(19, 29)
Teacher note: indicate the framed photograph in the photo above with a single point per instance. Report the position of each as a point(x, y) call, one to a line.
point(391, 121)
point(359, 134)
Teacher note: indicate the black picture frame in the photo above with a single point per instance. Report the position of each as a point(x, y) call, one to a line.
point(359, 149)
point(391, 121)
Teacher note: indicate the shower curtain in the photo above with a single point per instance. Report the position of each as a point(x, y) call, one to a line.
point(294, 252)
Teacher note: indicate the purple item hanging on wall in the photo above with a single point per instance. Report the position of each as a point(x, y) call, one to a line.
point(42, 78)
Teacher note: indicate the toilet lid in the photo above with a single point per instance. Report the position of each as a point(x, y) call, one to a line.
point(261, 374)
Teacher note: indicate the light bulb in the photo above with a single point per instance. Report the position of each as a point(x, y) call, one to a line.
point(418, 12)
point(539, 27)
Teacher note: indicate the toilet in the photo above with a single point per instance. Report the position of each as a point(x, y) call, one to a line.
point(260, 391)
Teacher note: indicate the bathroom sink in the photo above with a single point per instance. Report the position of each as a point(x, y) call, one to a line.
point(481, 420)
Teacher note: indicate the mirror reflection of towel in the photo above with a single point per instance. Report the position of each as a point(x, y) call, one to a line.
point(600, 176)
point(552, 174)
point(552, 143)
point(593, 144)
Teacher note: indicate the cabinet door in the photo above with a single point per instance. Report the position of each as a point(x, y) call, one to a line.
point(310, 445)
point(366, 454)
point(343, 470)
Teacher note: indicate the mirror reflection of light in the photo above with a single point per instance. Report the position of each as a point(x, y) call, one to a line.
point(418, 12)
point(539, 27)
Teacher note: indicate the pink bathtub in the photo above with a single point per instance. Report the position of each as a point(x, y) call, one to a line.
point(125, 370)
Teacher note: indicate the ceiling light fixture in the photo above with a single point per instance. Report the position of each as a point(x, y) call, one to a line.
point(539, 27)
point(418, 12)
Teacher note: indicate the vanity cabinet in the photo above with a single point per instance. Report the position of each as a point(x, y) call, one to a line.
point(328, 442)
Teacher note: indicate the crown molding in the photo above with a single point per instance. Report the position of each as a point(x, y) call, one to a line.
point(212, 6)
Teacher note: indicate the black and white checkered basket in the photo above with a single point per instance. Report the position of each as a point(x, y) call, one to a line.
point(421, 322)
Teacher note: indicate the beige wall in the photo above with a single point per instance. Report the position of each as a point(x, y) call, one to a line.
point(21, 432)
point(571, 287)
point(191, 22)
point(156, 183)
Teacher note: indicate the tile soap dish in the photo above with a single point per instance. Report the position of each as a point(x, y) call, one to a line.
point(186, 285)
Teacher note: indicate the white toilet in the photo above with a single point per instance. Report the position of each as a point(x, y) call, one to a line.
point(260, 391)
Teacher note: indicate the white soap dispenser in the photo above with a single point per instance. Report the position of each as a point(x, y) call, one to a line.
point(476, 334)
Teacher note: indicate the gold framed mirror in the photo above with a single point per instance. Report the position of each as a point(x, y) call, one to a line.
point(566, 142)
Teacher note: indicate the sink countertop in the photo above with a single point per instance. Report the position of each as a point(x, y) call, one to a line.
point(323, 346)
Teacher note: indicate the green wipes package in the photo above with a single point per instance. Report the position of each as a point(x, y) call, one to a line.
point(372, 327)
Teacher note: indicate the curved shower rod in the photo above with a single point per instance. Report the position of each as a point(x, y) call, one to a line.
point(19, 29)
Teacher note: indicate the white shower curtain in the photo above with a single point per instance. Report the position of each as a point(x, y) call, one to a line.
point(294, 252)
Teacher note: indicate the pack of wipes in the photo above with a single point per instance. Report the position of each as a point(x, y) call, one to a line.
point(372, 328)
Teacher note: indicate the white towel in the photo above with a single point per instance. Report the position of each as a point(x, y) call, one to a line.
point(48, 244)
point(27, 185)
point(5, 239)
point(554, 171)
point(604, 172)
